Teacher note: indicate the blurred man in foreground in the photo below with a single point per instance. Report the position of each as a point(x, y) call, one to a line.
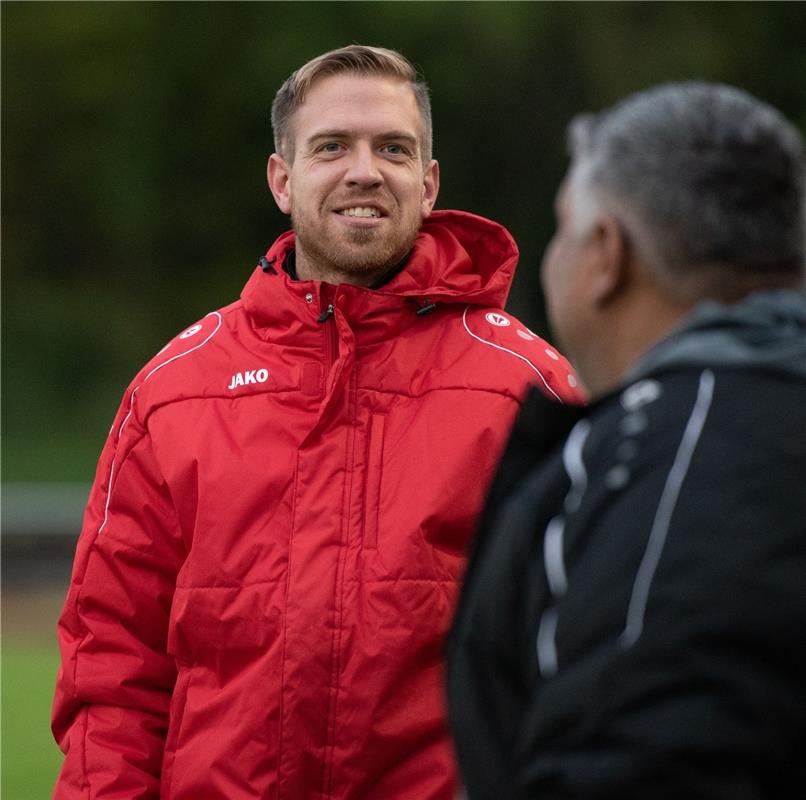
point(633, 624)
point(272, 548)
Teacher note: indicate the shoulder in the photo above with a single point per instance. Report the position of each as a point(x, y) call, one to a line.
point(502, 345)
point(184, 344)
point(737, 431)
point(757, 418)
point(731, 401)
point(193, 362)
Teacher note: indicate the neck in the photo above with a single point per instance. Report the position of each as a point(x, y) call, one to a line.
point(307, 271)
point(371, 278)
point(626, 332)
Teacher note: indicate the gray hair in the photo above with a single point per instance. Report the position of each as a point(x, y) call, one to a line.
point(707, 180)
point(356, 59)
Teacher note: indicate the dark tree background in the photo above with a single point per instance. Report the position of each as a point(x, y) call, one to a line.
point(135, 136)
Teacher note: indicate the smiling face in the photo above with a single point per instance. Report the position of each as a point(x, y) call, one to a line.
point(357, 189)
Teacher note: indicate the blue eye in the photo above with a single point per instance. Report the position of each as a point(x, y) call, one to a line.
point(330, 147)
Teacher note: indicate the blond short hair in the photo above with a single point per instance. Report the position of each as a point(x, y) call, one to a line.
point(356, 59)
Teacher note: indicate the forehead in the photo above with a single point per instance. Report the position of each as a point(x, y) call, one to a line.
point(358, 103)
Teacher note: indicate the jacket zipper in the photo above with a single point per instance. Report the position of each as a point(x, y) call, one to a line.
point(331, 335)
point(326, 314)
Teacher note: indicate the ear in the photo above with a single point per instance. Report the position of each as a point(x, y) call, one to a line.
point(279, 178)
point(430, 188)
point(609, 271)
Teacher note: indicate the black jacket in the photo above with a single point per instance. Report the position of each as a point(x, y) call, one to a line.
point(633, 621)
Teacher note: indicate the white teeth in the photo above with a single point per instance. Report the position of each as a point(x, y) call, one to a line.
point(360, 211)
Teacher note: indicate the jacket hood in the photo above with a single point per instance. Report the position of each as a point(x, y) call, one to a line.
point(766, 330)
point(457, 257)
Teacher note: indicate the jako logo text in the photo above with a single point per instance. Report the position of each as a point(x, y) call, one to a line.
point(250, 376)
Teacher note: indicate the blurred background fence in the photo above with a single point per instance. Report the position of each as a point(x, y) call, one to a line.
point(134, 141)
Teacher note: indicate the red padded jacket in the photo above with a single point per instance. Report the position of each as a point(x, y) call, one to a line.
point(270, 554)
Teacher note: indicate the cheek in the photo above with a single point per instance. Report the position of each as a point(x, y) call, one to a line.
point(561, 293)
point(549, 271)
point(408, 192)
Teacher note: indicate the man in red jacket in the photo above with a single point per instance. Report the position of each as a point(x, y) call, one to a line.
point(272, 547)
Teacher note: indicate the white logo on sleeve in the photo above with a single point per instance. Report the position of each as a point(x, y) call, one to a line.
point(191, 331)
point(499, 320)
point(247, 377)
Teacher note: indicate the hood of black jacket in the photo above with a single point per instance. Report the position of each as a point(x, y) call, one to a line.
point(766, 330)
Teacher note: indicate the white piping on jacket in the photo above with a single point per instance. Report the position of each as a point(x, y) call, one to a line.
point(553, 546)
point(553, 556)
point(507, 350)
point(663, 514)
point(131, 408)
point(575, 465)
point(546, 646)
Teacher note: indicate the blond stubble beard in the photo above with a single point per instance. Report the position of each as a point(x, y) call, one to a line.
point(366, 251)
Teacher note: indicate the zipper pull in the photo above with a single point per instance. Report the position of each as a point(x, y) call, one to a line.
point(426, 308)
point(326, 314)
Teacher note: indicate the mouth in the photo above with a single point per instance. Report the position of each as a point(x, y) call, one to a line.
point(361, 212)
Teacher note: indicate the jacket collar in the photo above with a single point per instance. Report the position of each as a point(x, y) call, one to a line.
point(765, 330)
point(458, 258)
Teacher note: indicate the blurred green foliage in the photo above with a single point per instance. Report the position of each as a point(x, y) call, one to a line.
point(135, 135)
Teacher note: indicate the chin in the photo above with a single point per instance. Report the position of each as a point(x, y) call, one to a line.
point(362, 265)
point(362, 234)
point(360, 257)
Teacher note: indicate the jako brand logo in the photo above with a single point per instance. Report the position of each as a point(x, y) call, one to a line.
point(250, 376)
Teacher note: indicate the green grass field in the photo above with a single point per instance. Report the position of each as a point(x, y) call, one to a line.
point(30, 757)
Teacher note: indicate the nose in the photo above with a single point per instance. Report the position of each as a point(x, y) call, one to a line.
point(362, 169)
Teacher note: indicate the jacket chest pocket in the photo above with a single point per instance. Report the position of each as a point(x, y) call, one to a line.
point(373, 480)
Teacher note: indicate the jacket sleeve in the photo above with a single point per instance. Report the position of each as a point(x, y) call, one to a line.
point(114, 686)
